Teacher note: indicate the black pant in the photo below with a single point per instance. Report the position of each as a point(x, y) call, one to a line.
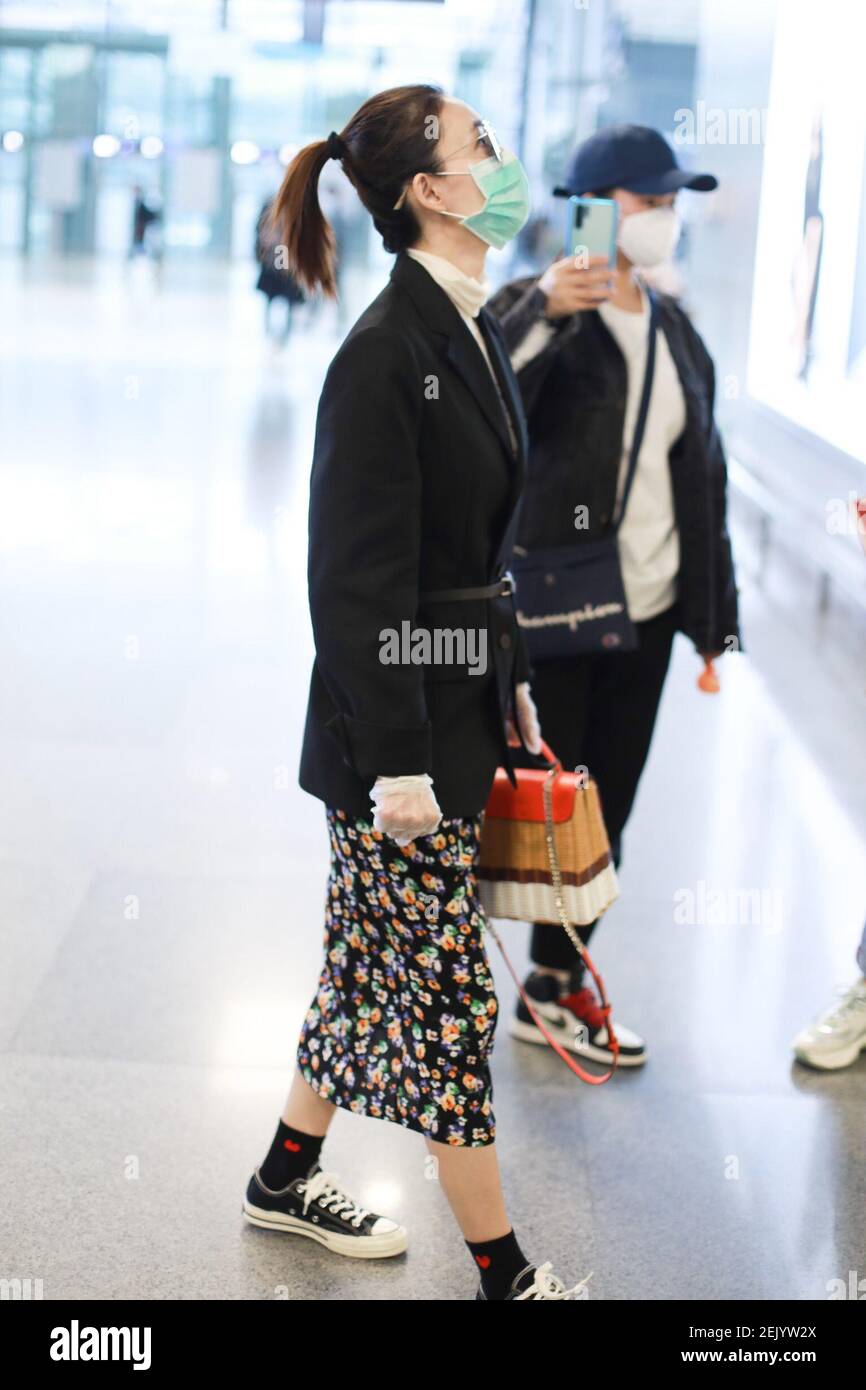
point(599, 711)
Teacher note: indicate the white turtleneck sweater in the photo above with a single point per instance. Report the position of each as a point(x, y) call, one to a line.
point(467, 295)
point(465, 292)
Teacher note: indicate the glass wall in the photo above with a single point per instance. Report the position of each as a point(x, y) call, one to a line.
point(194, 107)
point(16, 77)
point(594, 65)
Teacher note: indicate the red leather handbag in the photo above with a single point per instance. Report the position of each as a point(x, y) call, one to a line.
point(545, 857)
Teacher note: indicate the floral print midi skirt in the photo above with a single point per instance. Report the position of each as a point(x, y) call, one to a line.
point(402, 1022)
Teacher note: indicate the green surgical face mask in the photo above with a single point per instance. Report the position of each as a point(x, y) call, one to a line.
point(506, 199)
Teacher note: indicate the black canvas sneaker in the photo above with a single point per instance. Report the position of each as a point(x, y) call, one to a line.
point(318, 1206)
point(541, 1286)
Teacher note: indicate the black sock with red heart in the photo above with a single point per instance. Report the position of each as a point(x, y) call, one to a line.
point(500, 1261)
point(291, 1155)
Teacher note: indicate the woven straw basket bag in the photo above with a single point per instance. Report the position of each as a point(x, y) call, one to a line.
point(545, 855)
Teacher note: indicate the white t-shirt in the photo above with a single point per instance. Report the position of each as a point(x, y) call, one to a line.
point(649, 543)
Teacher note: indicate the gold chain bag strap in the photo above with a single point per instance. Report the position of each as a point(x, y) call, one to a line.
point(545, 857)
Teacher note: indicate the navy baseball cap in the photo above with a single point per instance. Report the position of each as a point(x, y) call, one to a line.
point(635, 157)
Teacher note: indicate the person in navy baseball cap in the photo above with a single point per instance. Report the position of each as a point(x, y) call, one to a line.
point(636, 166)
point(634, 157)
point(624, 457)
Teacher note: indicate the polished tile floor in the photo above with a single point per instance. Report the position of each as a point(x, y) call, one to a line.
point(161, 875)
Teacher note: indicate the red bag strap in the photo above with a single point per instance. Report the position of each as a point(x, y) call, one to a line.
point(569, 1061)
point(548, 753)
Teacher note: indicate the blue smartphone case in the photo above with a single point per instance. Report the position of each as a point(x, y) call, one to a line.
point(592, 224)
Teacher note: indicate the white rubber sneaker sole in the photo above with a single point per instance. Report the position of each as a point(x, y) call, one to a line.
point(527, 1032)
point(378, 1247)
point(830, 1061)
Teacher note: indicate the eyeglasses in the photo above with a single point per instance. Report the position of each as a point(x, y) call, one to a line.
point(485, 136)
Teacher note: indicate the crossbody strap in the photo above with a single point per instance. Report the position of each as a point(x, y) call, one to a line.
point(643, 410)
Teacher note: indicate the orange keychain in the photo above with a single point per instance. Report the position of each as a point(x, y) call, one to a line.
point(708, 681)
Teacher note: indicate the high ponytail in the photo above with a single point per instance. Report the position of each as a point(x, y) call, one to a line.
point(301, 226)
point(392, 137)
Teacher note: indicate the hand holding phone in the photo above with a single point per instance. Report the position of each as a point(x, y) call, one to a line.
point(584, 278)
point(570, 288)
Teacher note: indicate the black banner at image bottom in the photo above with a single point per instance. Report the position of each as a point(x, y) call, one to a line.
point(167, 1338)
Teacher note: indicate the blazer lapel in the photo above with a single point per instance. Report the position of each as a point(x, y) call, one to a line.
point(467, 359)
point(462, 350)
point(507, 383)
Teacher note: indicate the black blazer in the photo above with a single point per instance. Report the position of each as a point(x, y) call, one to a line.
point(574, 393)
point(414, 487)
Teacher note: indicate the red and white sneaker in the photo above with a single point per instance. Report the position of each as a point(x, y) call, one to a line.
point(575, 1021)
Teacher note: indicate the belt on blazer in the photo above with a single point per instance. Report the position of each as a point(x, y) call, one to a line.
point(501, 588)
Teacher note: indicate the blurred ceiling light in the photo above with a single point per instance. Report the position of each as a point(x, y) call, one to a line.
point(244, 152)
point(151, 147)
point(287, 153)
point(12, 141)
point(104, 146)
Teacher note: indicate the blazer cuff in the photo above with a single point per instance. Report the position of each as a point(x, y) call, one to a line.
point(383, 750)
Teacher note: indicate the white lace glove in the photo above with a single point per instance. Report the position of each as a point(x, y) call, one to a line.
point(405, 807)
point(527, 720)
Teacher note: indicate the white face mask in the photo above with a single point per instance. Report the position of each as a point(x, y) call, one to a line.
point(648, 238)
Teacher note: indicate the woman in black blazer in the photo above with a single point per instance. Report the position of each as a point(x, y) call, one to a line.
point(419, 676)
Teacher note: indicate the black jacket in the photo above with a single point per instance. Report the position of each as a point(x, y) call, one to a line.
point(574, 392)
point(414, 487)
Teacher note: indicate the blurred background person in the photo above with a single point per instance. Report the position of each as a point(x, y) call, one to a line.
point(275, 281)
point(146, 223)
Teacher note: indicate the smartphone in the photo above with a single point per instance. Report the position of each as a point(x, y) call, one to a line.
point(591, 228)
